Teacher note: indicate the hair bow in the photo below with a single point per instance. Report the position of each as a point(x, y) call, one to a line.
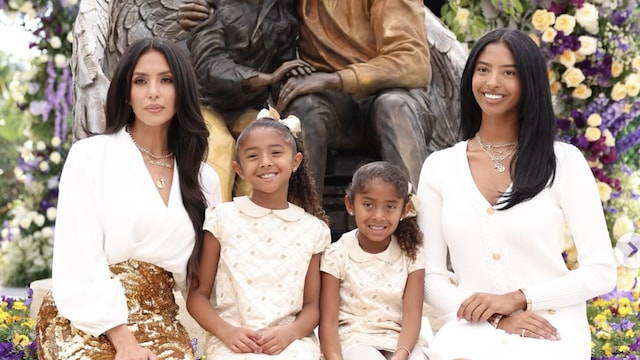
point(415, 203)
point(291, 122)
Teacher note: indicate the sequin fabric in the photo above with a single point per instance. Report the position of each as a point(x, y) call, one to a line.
point(152, 320)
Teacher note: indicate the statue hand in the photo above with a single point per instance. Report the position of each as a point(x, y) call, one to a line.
point(193, 12)
point(313, 83)
point(288, 67)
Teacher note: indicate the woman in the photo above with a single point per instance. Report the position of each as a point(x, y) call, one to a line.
point(130, 211)
point(498, 202)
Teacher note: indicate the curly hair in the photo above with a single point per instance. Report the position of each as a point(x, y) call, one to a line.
point(301, 190)
point(407, 233)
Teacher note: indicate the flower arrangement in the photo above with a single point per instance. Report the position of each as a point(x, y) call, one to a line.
point(17, 335)
point(615, 326)
point(27, 230)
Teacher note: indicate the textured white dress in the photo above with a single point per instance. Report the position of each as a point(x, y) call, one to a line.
point(501, 251)
point(264, 258)
point(371, 290)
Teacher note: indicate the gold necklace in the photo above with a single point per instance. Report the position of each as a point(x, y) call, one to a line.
point(161, 182)
point(151, 155)
point(496, 152)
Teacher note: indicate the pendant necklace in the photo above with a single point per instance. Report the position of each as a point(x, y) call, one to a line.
point(161, 182)
point(153, 159)
point(497, 153)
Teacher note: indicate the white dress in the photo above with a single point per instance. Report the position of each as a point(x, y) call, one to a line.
point(501, 251)
point(371, 290)
point(264, 258)
point(109, 211)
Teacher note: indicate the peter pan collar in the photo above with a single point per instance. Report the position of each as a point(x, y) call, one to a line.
point(249, 208)
point(355, 252)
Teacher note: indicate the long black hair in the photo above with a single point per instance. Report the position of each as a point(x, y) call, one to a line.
point(533, 165)
point(187, 132)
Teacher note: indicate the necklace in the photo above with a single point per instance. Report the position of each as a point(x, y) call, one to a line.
point(497, 153)
point(161, 182)
point(165, 164)
point(149, 153)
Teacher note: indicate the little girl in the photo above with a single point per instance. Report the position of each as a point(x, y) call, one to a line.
point(258, 283)
point(372, 278)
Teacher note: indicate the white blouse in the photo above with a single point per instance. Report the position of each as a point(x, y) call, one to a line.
point(109, 210)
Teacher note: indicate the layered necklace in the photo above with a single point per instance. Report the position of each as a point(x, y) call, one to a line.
point(153, 159)
point(497, 152)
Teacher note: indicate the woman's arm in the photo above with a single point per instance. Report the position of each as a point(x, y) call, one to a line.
point(412, 301)
point(238, 340)
point(329, 307)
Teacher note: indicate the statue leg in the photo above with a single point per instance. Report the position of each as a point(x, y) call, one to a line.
point(221, 151)
point(397, 118)
point(323, 117)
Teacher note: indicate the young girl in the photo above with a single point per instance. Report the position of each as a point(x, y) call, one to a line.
point(261, 254)
point(372, 278)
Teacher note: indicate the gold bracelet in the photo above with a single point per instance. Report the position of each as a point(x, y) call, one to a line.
point(403, 348)
point(527, 299)
point(494, 320)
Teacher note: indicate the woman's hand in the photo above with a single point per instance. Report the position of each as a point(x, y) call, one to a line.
point(480, 306)
point(529, 324)
point(274, 340)
point(136, 353)
point(127, 347)
point(241, 340)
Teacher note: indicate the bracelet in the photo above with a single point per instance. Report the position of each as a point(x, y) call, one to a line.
point(527, 299)
point(403, 348)
point(494, 320)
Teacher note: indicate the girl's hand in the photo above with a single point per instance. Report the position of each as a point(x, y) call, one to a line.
point(480, 306)
point(242, 341)
point(274, 340)
point(529, 324)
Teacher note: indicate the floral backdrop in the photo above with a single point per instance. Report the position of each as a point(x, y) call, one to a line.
point(592, 49)
point(593, 53)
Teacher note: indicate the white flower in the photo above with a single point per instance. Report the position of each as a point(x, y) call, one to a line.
point(594, 120)
point(70, 37)
point(568, 58)
point(635, 64)
point(572, 77)
point(52, 212)
point(55, 157)
point(549, 35)
point(542, 19)
point(587, 17)
point(565, 23)
point(609, 140)
point(462, 17)
point(55, 141)
point(38, 107)
point(55, 42)
point(43, 166)
point(47, 231)
point(39, 220)
point(33, 88)
point(588, 45)
point(40, 145)
point(592, 133)
point(604, 190)
point(619, 91)
point(621, 226)
point(25, 222)
point(60, 61)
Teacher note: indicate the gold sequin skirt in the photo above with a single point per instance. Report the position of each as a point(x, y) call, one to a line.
point(152, 320)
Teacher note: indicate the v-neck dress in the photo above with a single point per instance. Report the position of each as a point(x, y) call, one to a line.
point(498, 251)
point(110, 211)
point(264, 258)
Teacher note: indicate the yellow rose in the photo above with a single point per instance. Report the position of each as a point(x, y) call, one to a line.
point(594, 120)
point(616, 69)
point(568, 58)
point(588, 45)
point(565, 23)
point(555, 87)
point(549, 35)
point(573, 77)
point(462, 17)
point(618, 92)
point(622, 225)
point(604, 190)
point(635, 64)
point(609, 140)
point(592, 133)
point(551, 75)
point(633, 85)
point(542, 19)
point(582, 92)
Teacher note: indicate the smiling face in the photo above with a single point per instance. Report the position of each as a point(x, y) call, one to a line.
point(266, 160)
point(153, 93)
point(495, 83)
point(377, 210)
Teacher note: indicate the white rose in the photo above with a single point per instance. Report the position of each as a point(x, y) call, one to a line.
point(618, 92)
point(633, 85)
point(621, 226)
point(40, 145)
point(70, 37)
point(43, 166)
point(549, 35)
point(568, 58)
point(55, 42)
point(588, 45)
point(604, 190)
point(594, 120)
point(462, 17)
point(573, 77)
point(52, 212)
point(47, 231)
point(609, 140)
point(587, 17)
point(55, 157)
point(25, 222)
point(39, 220)
point(60, 61)
point(565, 23)
point(55, 141)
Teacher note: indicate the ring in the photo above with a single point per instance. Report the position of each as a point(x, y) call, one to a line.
point(523, 331)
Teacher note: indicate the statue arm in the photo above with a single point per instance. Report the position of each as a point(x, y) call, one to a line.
point(90, 31)
point(403, 59)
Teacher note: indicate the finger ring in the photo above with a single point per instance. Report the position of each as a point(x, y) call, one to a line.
point(523, 331)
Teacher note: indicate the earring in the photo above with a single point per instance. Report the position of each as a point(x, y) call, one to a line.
point(351, 213)
point(401, 218)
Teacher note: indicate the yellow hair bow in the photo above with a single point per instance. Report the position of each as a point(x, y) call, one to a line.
point(291, 122)
point(415, 203)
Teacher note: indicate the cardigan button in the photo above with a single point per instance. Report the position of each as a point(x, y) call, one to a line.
point(496, 256)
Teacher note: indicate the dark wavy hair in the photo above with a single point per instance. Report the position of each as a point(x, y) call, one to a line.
point(408, 232)
point(302, 189)
point(533, 165)
point(187, 132)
